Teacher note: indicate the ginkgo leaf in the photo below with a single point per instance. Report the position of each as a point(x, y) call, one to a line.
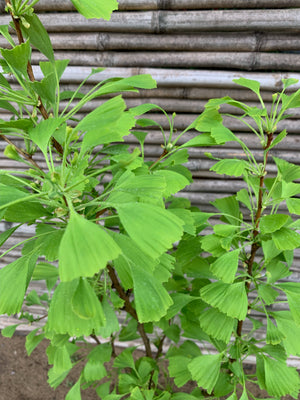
point(178, 369)
point(280, 379)
point(217, 324)
point(290, 330)
point(292, 291)
point(225, 267)
point(151, 298)
point(286, 239)
point(154, 229)
point(272, 223)
point(61, 317)
point(267, 293)
point(112, 323)
point(96, 8)
point(74, 393)
point(248, 83)
point(174, 181)
point(274, 335)
point(232, 167)
point(205, 370)
point(9, 194)
point(42, 133)
point(230, 299)
point(14, 279)
point(84, 249)
point(84, 302)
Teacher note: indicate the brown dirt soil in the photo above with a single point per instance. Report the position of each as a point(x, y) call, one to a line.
point(25, 378)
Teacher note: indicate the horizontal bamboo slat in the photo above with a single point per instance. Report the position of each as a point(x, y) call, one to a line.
point(66, 5)
point(177, 78)
point(284, 20)
point(241, 61)
point(216, 42)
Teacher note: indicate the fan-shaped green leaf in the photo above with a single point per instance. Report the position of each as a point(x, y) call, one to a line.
point(178, 369)
point(225, 267)
point(217, 324)
point(154, 229)
point(18, 57)
point(38, 36)
point(280, 379)
point(42, 133)
point(61, 317)
point(84, 302)
point(248, 83)
point(272, 223)
point(151, 298)
point(84, 249)
point(230, 299)
point(112, 323)
point(291, 331)
point(95, 8)
point(286, 239)
point(174, 181)
point(230, 167)
point(14, 279)
point(205, 370)
point(274, 335)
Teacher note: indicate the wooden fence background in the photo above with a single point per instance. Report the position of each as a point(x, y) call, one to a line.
point(194, 49)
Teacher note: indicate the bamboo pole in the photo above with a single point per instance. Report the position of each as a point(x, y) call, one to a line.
point(165, 77)
point(66, 5)
point(232, 60)
point(283, 20)
point(216, 42)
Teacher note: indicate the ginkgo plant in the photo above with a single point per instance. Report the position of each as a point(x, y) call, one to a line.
point(123, 256)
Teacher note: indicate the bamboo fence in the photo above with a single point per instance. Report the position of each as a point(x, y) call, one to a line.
point(193, 49)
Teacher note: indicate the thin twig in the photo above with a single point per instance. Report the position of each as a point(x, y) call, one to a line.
point(165, 152)
point(93, 336)
point(21, 152)
point(255, 246)
point(128, 307)
point(31, 76)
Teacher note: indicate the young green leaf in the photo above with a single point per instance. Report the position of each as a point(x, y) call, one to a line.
point(154, 229)
point(280, 379)
point(272, 223)
point(14, 279)
point(217, 324)
point(33, 340)
point(290, 330)
point(95, 8)
point(94, 371)
point(151, 298)
point(232, 167)
point(230, 299)
point(178, 369)
point(205, 370)
point(42, 133)
point(174, 181)
point(84, 249)
point(286, 239)
point(8, 331)
point(61, 317)
point(84, 302)
point(225, 267)
point(38, 36)
point(18, 57)
point(274, 335)
point(248, 83)
point(112, 323)
point(7, 234)
point(74, 393)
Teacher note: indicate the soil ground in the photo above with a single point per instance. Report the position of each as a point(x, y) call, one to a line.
point(25, 378)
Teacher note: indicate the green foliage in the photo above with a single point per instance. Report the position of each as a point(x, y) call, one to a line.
point(111, 236)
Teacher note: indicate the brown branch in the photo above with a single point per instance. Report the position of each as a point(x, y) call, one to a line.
point(128, 307)
point(255, 246)
point(31, 76)
point(165, 152)
point(21, 152)
point(93, 336)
